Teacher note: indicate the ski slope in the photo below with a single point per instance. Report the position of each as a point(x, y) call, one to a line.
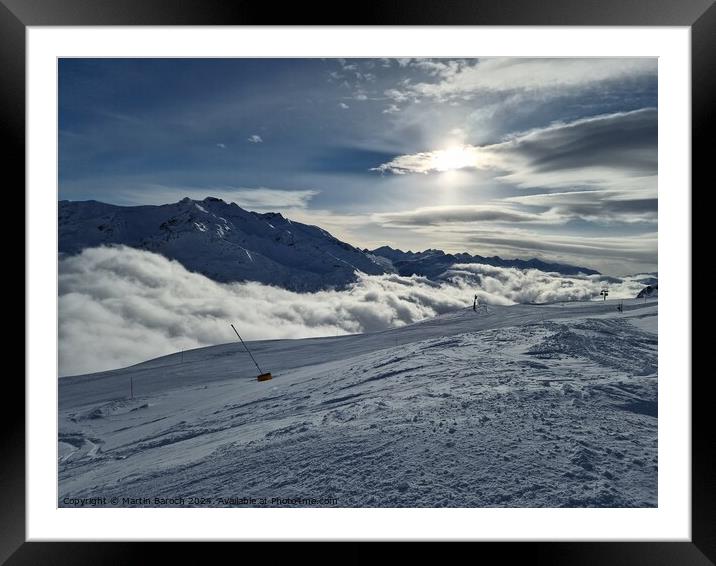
point(519, 406)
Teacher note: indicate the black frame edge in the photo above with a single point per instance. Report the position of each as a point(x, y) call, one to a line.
point(12, 439)
point(703, 443)
point(367, 12)
point(15, 15)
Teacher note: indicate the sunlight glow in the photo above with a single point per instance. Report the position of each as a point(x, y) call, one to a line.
point(453, 158)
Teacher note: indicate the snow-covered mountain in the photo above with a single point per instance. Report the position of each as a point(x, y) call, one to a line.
point(510, 406)
point(227, 243)
point(650, 291)
point(219, 240)
point(432, 263)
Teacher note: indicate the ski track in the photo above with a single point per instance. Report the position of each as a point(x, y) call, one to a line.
point(553, 407)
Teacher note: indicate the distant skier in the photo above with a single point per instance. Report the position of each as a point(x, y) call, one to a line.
point(620, 307)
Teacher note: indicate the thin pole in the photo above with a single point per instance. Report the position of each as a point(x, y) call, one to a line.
point(131, 387)
point(247, 349)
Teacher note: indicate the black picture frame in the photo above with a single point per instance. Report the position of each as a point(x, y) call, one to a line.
point(17, 15)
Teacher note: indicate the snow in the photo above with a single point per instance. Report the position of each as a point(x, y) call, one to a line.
point(525, 406)
point(210, 236)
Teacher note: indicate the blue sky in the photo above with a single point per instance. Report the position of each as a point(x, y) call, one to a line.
point(549, 158)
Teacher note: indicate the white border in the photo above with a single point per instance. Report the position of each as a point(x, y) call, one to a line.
point(670, 521)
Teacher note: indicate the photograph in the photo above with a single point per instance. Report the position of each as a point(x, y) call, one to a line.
point(315, 282)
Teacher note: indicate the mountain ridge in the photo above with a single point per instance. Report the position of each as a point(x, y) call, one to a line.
point(431, 260)
point(229, 244)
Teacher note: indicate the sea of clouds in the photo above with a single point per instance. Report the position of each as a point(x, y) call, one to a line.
point(119, 306)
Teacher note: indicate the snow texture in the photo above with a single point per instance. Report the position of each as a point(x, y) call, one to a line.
point(511, 406)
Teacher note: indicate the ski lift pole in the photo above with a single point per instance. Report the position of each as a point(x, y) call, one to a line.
point(247, 349)
point(263, 376)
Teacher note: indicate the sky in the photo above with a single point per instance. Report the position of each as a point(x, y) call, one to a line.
point(547, 158)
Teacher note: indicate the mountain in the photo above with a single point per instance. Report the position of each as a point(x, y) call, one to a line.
point(519, 406)
point(648, 292)
point(432, 263)
point(220, 240)
point(227, 243)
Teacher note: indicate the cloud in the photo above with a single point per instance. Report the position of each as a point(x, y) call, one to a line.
point(221, 145)
point(438, 215)
point(259, 198)
point(262, 198)
point(598, 205)
point(392, 109)
point(119, 306)
point(255, 139)
point(603, 252)
point(462, 80)
point(558, 208)
point(343, 105)
point(397, 95)
point(595, 151)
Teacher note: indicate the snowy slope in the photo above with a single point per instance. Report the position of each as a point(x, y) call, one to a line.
point(524, 405)
point(219, 240)
point(432, 263)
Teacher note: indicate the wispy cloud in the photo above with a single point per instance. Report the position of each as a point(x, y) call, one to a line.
point(255, 138)
point(262, 198)
point(259, 198)
point(609, 254)
point(598, 151)
point(440, 215)
point(599, 205)
point(343, 105)
point(464, 79)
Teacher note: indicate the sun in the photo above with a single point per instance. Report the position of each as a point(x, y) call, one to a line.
point(453, 158)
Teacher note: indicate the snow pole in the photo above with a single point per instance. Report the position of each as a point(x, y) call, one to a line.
point(263, 376)
point(131, 387)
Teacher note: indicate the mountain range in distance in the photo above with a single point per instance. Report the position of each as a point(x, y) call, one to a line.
point(229, 244)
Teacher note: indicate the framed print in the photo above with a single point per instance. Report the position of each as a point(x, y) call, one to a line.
point(393, 279)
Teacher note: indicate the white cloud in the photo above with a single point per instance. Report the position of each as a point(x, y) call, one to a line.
point(343, 105)
point(606, 151)
point(608, 254)
point(221, 145)
point(262, 198)
point(258, 198)
point(397, 95)
point(392, 109)
point(255, 138)
point(460, 80)
point(597, 205)
point(440, 215)
point(119, 306)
